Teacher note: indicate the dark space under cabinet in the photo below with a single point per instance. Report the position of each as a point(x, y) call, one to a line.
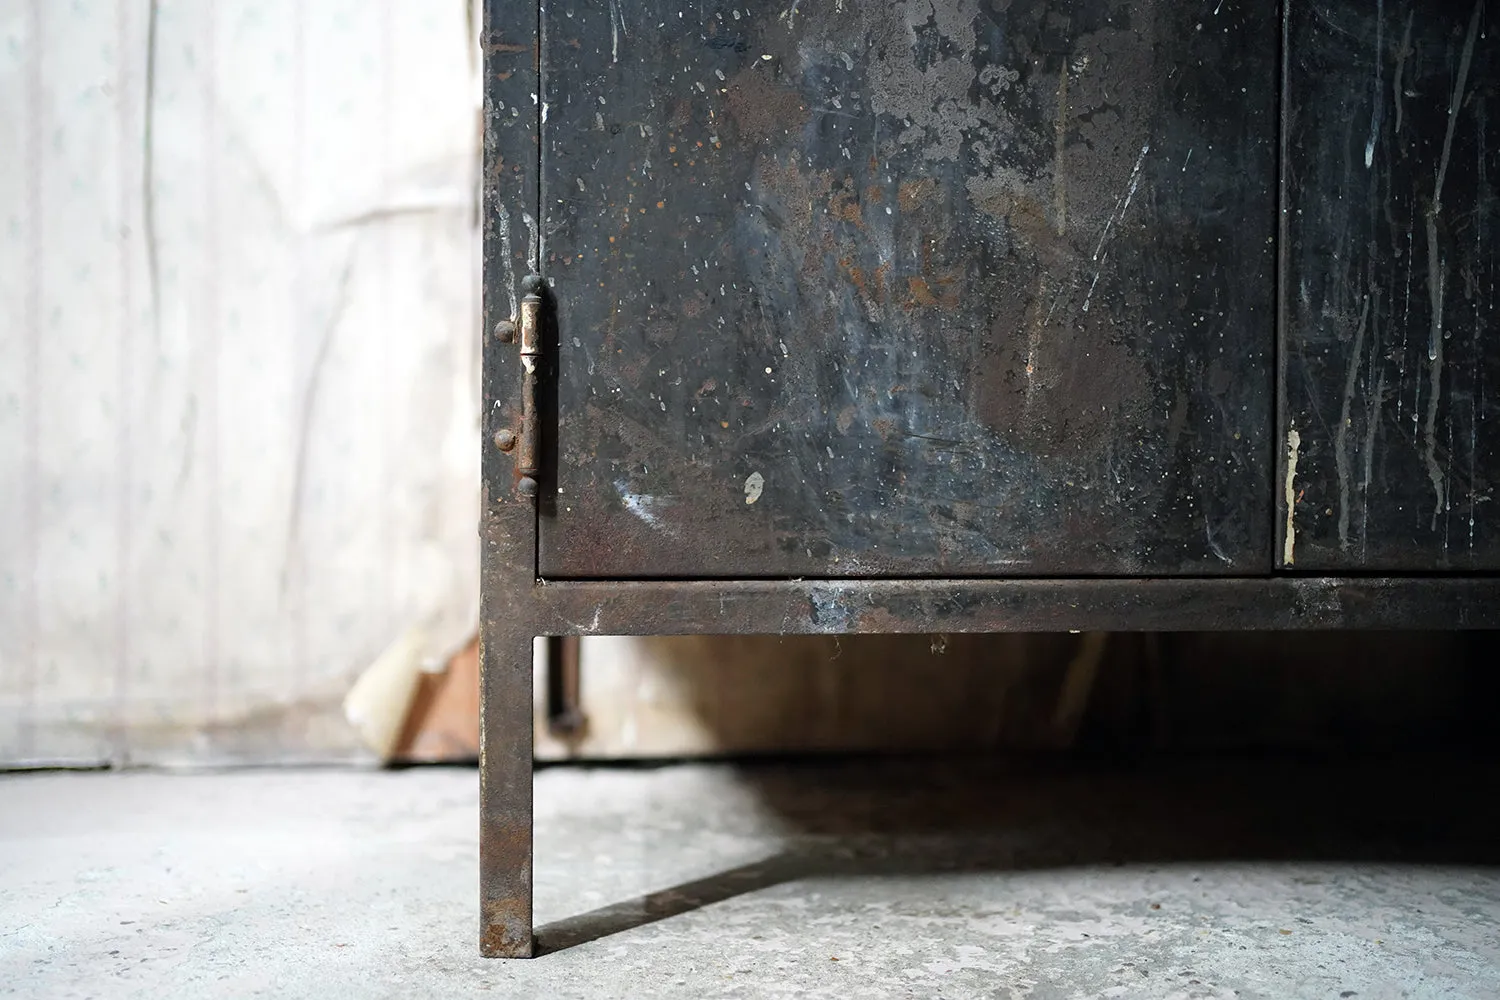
point(978, 315)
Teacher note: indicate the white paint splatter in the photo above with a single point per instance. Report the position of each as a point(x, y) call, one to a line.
point(1213, 543)
point(643, 506)
point(755, 484)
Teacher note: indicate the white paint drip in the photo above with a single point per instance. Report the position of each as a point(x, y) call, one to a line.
point(505, 254)
point(533, 244)
point(755, 484)
point(616, 24)
point(1293, 445)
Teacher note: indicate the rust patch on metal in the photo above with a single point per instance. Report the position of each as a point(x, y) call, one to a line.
point(922, 292)
point(847, 208)
point(763, 109)
point(506, 929)
point(912, 194)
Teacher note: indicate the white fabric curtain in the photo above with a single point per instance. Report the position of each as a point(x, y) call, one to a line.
point(238, 367)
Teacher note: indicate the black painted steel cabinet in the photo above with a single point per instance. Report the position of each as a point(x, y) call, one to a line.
point(974, 315)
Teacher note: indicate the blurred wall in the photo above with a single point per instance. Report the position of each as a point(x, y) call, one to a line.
point(238, 367)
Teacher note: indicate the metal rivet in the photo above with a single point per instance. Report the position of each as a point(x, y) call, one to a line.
point(505, 440)
point(526, 487)
point(505, 331)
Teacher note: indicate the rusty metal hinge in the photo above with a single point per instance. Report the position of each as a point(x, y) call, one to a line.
point(527, 328)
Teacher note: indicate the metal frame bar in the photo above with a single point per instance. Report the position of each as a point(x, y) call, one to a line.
point(517, 607)
point(511, 44)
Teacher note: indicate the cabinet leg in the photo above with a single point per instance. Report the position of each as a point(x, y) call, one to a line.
point(505, 837)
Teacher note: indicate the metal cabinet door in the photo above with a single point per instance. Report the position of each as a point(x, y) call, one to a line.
point(1390, 442)
point(909, 287)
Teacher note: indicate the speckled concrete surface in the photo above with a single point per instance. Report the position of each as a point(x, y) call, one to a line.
point(1219, 879)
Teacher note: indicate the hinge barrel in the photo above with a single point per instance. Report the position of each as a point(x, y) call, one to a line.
point(528, 445)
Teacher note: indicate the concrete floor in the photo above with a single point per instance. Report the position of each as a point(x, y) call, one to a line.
point(1215, 879)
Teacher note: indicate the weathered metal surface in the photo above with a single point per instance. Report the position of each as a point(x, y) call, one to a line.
point(511, 61)
point(796, 607)
point(910, 288)
point(1390, 443)
point(950, 232)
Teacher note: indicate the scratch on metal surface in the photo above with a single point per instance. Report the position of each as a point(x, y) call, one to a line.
point(1289, 546)
point(1213, 543)
point(1454, 103)
point(1476, 397)
point(1122, 205)
point(1372, 424)
point(1341, 438)
point(830, 611)
point(1034, 340)
point(1398, 97)
point(1436, 278)
point(1375, 113)
point(592, 628)
point(1437, 272)
point(1059, 155)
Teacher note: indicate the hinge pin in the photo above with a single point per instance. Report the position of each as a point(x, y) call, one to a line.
point(529, 324)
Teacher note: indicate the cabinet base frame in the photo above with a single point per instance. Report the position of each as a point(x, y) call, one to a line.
point(517, 607)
